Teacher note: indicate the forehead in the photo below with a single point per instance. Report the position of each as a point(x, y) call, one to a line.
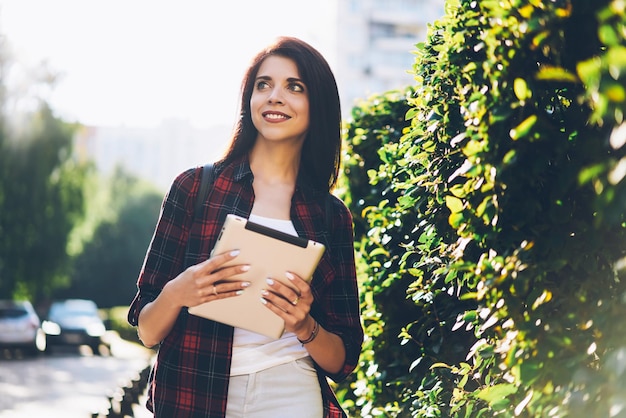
point(277, 66)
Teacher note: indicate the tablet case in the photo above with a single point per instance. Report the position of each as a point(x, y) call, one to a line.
point(270, 253)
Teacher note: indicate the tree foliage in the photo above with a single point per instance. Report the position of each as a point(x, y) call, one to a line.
point(105, 270)
point(41, 199)
point(502, 219)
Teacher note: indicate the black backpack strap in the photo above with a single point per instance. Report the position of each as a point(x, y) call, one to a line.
point(328, 214)
point(206, 180)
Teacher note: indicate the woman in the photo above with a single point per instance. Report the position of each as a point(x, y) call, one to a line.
point(279, 169)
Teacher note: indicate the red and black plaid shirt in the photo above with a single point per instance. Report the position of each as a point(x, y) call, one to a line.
point(191, 374)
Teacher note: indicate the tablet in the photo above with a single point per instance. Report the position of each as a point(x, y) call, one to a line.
point(270, 253)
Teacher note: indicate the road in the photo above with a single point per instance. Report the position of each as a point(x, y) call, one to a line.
point(69, 383)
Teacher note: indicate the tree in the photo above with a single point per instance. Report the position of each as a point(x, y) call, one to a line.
point(41, 199)
point(106, 268)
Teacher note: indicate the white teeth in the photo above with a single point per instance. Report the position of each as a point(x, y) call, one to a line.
point(275, 116)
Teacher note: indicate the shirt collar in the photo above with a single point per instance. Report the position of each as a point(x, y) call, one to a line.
point(242, 171)
point(241, 168)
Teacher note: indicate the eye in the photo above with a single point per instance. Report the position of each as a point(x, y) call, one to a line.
point(296, 87)
point(260, 85)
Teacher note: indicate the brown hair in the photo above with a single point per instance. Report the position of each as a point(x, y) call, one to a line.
point(321, 150)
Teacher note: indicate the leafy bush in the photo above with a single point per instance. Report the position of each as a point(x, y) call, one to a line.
point(380, 120)
point(499, 215)
point(116, 321)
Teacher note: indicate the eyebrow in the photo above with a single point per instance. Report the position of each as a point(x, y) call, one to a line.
point(290, 79)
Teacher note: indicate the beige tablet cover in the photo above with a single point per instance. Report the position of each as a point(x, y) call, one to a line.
point(270, 253)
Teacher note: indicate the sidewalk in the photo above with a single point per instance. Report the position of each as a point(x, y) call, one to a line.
point(120, 347)
point(76, 383)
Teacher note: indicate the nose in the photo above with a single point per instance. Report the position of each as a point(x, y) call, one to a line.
point(275, 96)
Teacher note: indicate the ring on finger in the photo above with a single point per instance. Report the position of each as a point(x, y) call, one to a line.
point(295, 301)
point(215, 290)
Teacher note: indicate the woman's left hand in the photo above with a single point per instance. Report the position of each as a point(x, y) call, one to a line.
point(291, 303)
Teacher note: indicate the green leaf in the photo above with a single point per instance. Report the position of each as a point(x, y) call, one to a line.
point(588, 70)
point(523, 128)
point(463, 381)
point(440, 365)
point(470, 316)
point(469, 296)
point(454, 204)
point(521, 89)
point(556, 74)
point(607, 35)
point(509, 157)
point(379, 251)
point(496, 393)
point(455, 219)
point(590, 173)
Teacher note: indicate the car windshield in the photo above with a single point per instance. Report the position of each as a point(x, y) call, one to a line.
point(74, 309)
point(9, 313)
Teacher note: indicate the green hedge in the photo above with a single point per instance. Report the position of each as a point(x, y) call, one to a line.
point(493, 228)
point(116, 321)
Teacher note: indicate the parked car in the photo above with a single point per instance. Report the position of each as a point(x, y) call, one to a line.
point(74, 322)
point(20, 327)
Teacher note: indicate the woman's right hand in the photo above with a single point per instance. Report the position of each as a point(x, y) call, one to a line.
point(198, 284)
point(206, 281)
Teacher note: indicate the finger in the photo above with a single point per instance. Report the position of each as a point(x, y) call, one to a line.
point(286, 292)
point(303, 287)
point(292, 295)
point(285, 310)
point(227, 287)
point(285, 304)
point(229, 272)
point(297, 282)
point(275, 303)
point(215, 262)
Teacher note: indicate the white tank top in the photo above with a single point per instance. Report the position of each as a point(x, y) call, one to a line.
point(254, 352)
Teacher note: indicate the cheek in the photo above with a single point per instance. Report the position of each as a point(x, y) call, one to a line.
point(254, 108)
point(307, 111)
point(254, 101)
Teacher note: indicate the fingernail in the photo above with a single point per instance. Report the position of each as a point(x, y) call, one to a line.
point(269, 281)
point(234, 253)
point(264, 292)
point(245, 268)
point(290, 276)
point(245, 284)
point(239, 292)
point(263, 301)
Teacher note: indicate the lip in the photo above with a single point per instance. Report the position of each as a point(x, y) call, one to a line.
point(274, 116)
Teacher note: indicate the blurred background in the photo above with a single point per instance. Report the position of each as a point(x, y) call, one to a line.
point(106, 102)
point(156, 83)
point(103, 104)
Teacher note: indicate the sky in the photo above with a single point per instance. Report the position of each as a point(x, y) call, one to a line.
point(138, 62)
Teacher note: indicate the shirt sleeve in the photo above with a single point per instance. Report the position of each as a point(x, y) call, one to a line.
point(340, 305)
point(165, 257)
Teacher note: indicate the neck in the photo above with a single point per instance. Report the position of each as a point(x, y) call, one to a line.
point(274, 164)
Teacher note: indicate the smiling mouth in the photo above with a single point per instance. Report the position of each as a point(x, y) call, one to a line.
point(275, 116)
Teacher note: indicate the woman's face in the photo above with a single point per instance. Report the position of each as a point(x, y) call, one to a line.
point(279, 104)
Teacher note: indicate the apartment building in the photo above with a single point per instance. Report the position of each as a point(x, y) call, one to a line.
point(156, 154)
point(375, 44)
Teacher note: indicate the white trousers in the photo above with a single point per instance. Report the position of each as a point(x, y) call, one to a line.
point(285, 391)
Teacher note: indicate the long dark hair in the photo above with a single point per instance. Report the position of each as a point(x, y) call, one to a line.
point(320, 157)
